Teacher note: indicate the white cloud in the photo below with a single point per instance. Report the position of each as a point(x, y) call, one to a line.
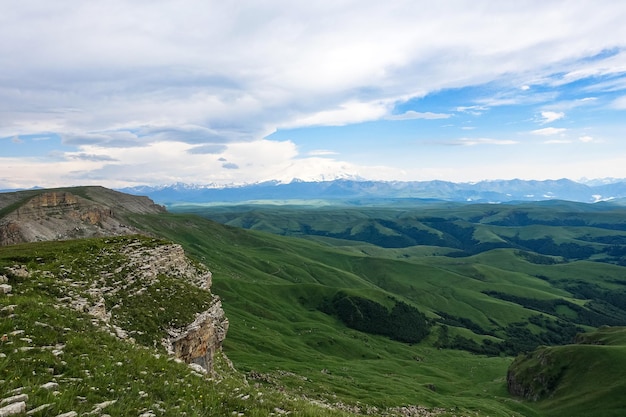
point(548, 131)
point(557, 141)
point(619, 103)
point(321, 152)
point(345, 113)
point(475, 110)
point(586, 139)
point(121, 80)
point(410, 115)
point(482, 141)
point(551, 116)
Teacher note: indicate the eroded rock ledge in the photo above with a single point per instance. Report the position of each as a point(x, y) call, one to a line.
point(62, 215)
point(113, 277)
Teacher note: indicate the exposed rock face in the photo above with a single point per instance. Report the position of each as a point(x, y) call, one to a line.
point(96, 211)
point(129, 271)
point(198, 343)
point(59, 215)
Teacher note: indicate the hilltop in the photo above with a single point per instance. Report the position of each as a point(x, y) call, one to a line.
point(68, 213)
point(582, 375)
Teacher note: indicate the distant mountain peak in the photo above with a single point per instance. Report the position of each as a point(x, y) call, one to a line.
point(489, 191)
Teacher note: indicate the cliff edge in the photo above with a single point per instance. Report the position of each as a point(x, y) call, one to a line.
point(70, 213)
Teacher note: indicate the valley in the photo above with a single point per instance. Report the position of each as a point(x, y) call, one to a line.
point(404, 309)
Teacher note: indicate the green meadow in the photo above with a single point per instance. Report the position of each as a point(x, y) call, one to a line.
point(494, 282)
point(311, 295)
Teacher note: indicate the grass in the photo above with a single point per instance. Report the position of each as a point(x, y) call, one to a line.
point(585, 381)
point(272, 287)
point(46, 341)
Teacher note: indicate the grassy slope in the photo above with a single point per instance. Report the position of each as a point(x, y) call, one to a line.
point(590, 380)
point(45, 341)
point(271, 286)
point(276, 327)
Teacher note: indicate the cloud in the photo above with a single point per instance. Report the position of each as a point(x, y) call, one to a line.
point(230, 165)
point(619, 103)
point(121, 79)
point(90, 157)
point(343, 114)
point(586, 139)
point(481, 141)
point(119, 139)
point(189, 134)
point(16, 139)
point(548, 131)
point(208, 149)
point(557, 141)
point(321, 152)
point(474, 110)
point(410, 115)
point(551, 116)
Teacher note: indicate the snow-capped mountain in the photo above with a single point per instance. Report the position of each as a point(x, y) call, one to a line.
point(493, 191)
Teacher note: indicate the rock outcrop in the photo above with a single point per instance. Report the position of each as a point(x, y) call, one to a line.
point(534, 376)
point(198, 342)
point(124, 269)
point(114, 275)
point(63, 214)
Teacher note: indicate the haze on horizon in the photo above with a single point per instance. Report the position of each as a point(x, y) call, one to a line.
point(123, 93)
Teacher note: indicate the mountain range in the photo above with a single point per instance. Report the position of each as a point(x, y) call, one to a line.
point(494, 191)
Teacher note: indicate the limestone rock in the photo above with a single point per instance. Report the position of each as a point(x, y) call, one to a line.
point(14, 399)
point(57, 215)
point(13, 409)
point(198, 343)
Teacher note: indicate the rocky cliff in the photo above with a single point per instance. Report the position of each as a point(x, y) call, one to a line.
point(535, 376)
point(42, 215)
point(139, 289)
point(123, 279)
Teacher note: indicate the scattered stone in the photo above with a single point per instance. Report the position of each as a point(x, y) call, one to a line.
point(68, 414)
point(26, 348)
point(50, 385)
point(12, 409)
point(148, 413)
point(197, 368)
point(101, 406)
point(38, 409)
point(5, 288)
point(14, 399)
point(19, 271)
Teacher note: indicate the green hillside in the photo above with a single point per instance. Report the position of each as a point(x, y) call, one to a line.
point(375, 311)
point(583, 379)
point(482, 310)
point(63, 360)
point(494, 281)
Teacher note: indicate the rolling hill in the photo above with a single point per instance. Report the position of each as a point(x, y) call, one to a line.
point(316, 307)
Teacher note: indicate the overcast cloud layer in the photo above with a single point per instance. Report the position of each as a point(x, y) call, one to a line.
point(124, 93)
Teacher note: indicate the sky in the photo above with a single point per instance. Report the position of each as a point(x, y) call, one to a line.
point(123, 93)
